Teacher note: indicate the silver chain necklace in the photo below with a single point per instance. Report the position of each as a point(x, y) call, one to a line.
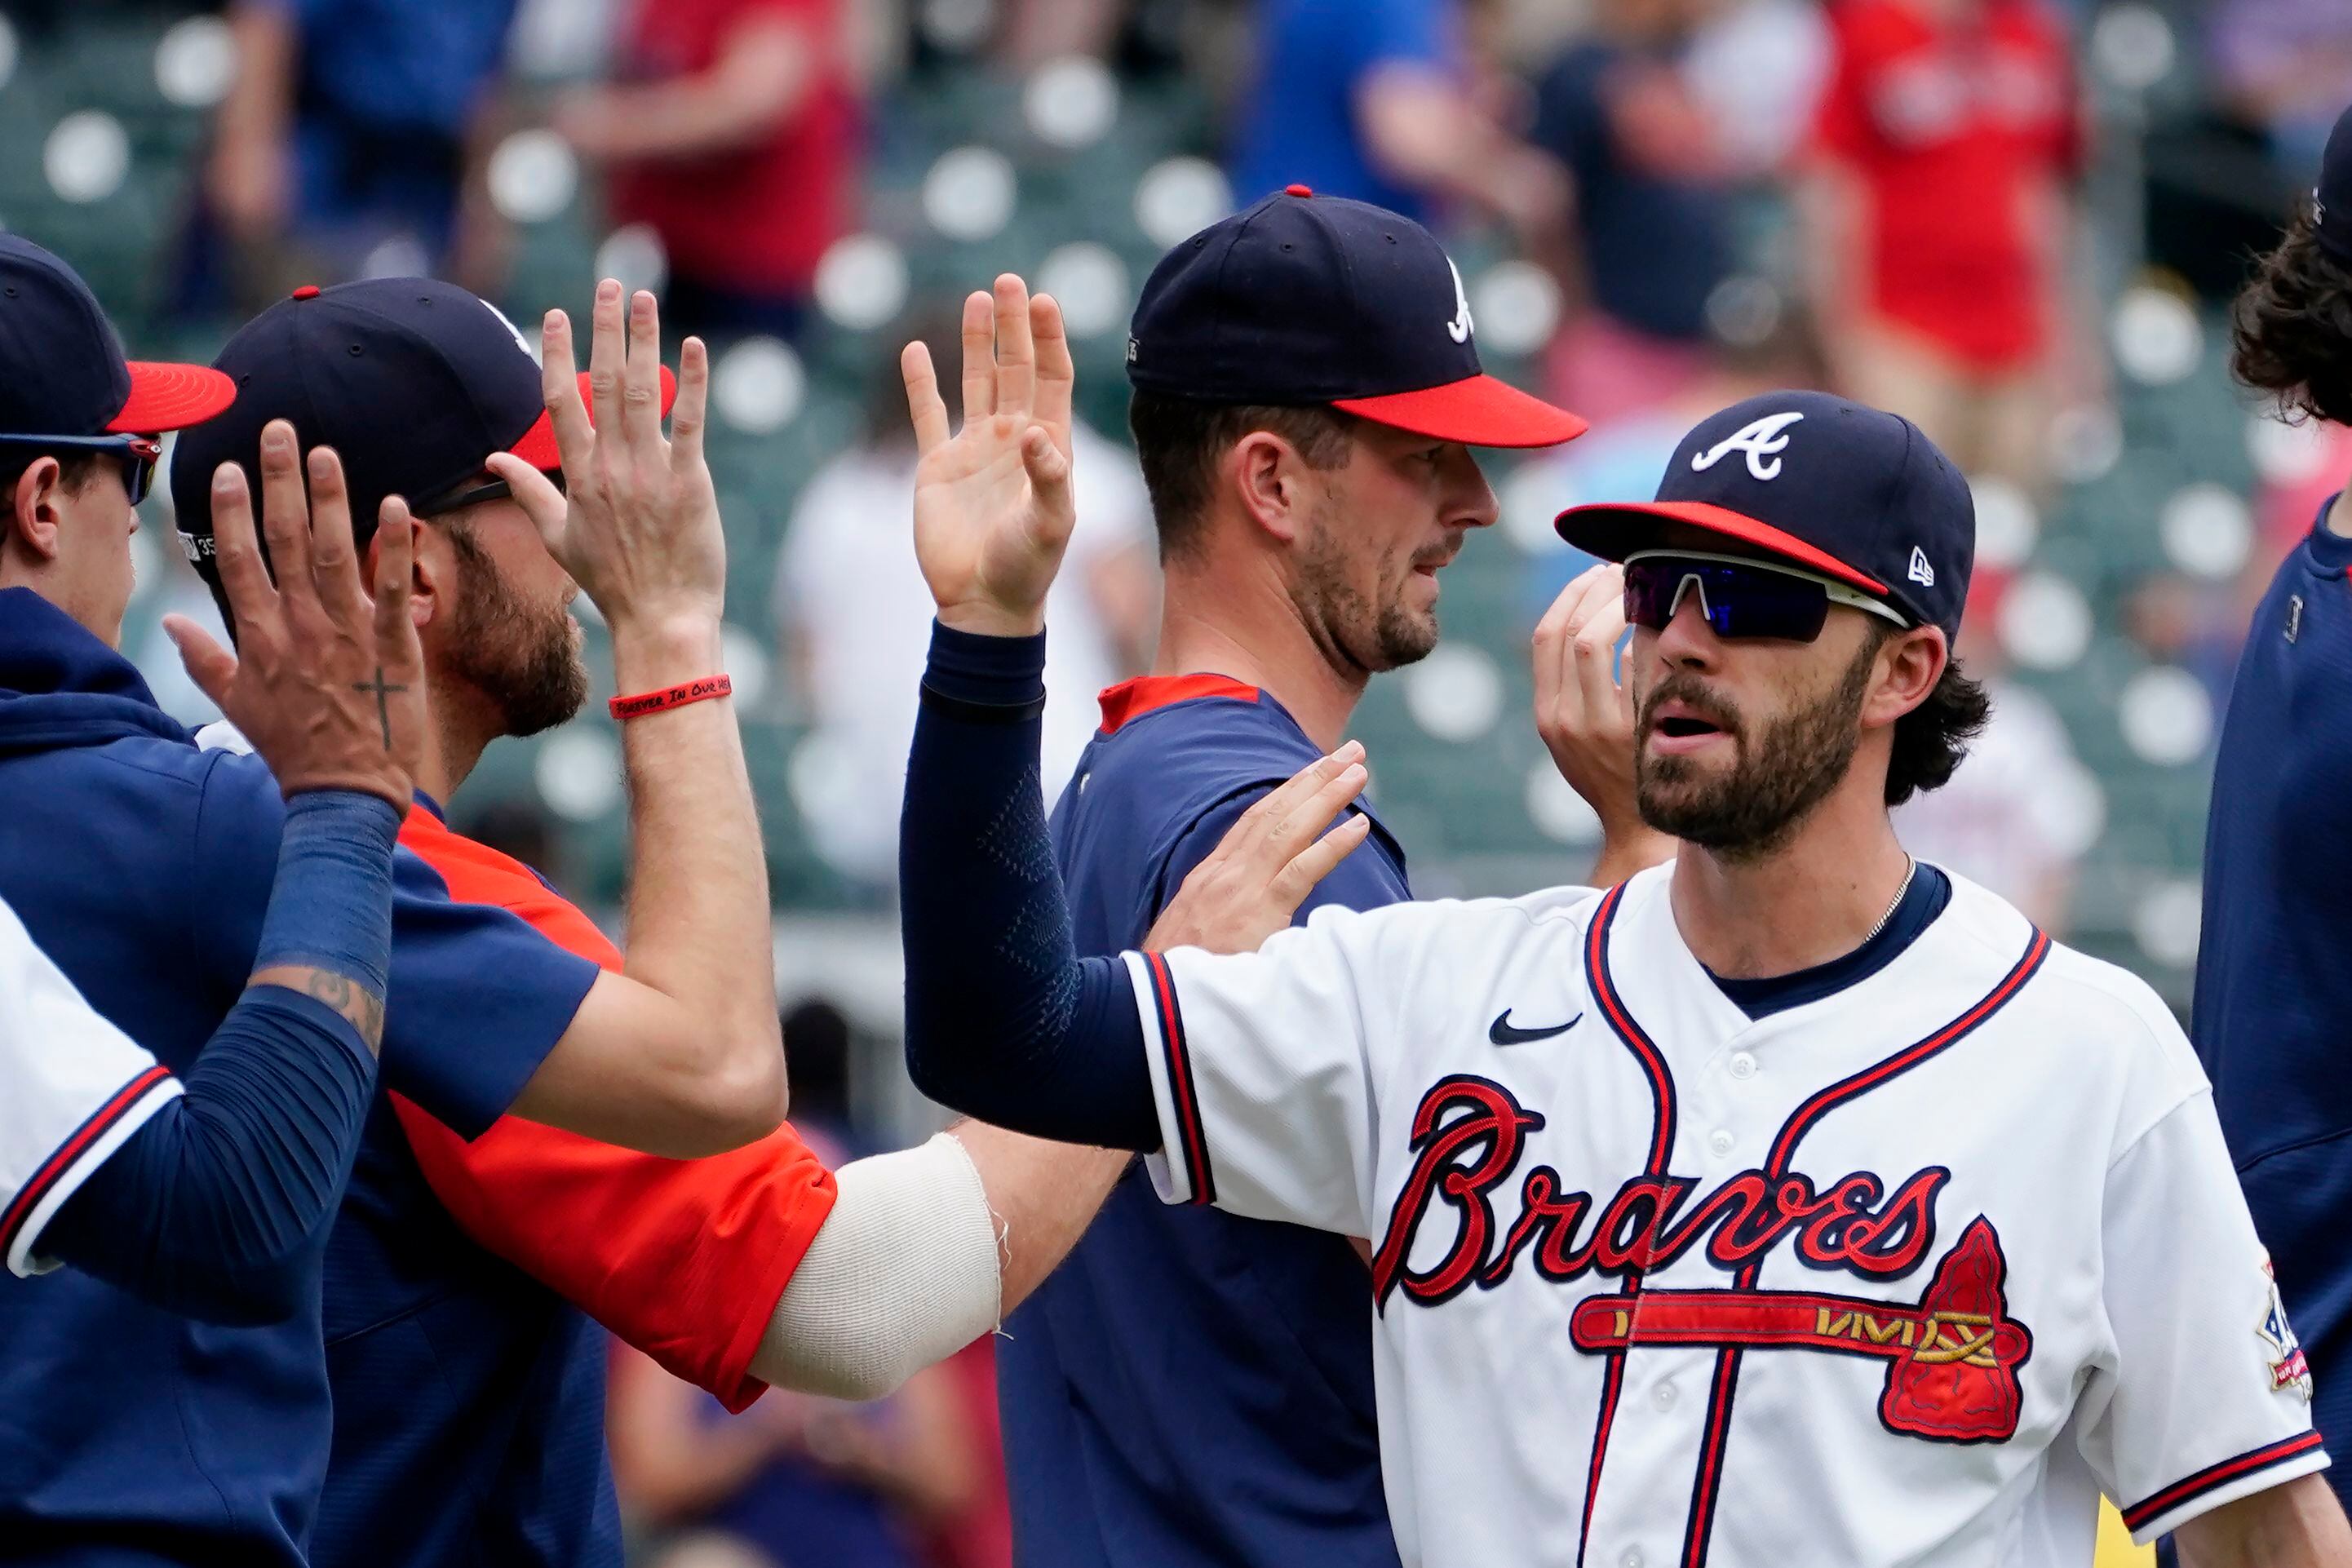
point(1911, 869)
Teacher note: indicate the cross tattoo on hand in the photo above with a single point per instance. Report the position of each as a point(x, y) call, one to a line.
point(383, 702)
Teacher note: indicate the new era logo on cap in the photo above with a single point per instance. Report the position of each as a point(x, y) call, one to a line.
point(1315, 300)
point(1854, 493)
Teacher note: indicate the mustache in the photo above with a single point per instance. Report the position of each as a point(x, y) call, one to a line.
point(1688, 690)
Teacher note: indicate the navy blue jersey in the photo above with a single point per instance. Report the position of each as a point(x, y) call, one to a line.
point(1191, 1387)
point(2274, 980)
point(142, 866)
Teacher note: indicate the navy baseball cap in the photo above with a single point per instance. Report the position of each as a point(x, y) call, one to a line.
point(1850, 492)
point(414, 383)
point(62, 367)
point(2331, 199)
point(1316, 300)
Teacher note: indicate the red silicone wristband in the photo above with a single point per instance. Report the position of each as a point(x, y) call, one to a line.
point(646, 702)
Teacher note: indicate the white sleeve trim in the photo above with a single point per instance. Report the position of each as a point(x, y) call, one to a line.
point(114, 1122)
point(1170, 1172)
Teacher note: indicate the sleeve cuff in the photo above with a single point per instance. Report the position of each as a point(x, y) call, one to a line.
point(1180, 1171)
point(968, 670)
point(63, 1172)
point(2256, 1471)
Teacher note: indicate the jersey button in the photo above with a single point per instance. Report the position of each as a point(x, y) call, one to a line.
point(1720, 1143)
point(1633, 1558)
point(1665, 1397)
point(1743, 1066)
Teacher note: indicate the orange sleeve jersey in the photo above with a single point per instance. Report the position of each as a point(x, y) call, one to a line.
point(683, 1258)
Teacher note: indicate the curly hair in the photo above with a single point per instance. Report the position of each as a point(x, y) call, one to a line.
point(2290, 326)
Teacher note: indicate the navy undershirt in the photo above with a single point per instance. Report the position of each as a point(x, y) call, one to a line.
point(1921, 902)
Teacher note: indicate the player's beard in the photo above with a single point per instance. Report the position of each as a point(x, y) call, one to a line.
point(1367, 634)
point(1778, 774)
point(525, 660)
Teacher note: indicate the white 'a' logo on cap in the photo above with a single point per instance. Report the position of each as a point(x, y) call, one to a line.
point(1459, 328)
point(1760, 441)
point(512, 331)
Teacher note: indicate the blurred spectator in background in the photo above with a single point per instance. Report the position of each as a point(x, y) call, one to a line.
point(733, 134)
point(2284, 67)
point(795, 1481)
point(856, 620)
point(2019, 817)
point(1651, 224)
point(1372, 98)
point(1939, 222)
point(347, 144)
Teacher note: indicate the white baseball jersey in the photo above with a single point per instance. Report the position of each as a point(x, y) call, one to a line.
point(72, 1088)
point(1911, 1273)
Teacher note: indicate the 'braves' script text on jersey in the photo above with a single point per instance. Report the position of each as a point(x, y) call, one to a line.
point(1910, 1273)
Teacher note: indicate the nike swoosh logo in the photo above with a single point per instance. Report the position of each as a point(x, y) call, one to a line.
point(1503, 1034)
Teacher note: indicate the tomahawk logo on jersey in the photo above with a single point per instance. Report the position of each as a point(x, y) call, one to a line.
point(73, 1088)
point(1913, 1272)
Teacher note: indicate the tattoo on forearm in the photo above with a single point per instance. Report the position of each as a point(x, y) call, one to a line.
point(383, 702)
point(354, 1000)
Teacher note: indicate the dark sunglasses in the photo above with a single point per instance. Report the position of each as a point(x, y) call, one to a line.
point(1739, 597)
point(138, 454)
point(472, 491)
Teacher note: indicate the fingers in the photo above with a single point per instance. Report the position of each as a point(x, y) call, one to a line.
point(559, 385)
point(688, 413)
point(537, 497)
point(641, 376)
point(1049, 475)
point(1594, 652)
point(1319, 859)
point(607, 357)
point(924, 406)
point(235, 553)
point(395, 556)
point(1057, 375)
point(1016, 350)
point(979, 357)
point(334, 568)
point(1288, 820)
point(284, 510)
point(212, 667)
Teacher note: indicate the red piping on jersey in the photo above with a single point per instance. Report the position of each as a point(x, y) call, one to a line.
point(1706, 1484)
point(61, 1160)
point(1131, 700)
point(1180, 1080)
point(1662, 1147)
point(2189, 1488)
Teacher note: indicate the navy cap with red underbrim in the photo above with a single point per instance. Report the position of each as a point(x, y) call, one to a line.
point(1853, 493)
point(62, 367)
point(414, 383)
point(1306, 299)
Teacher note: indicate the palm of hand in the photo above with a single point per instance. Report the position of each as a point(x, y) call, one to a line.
point(983, 532)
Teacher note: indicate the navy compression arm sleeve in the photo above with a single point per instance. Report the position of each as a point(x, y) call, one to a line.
point(1004, 1021)
point(219, 1205)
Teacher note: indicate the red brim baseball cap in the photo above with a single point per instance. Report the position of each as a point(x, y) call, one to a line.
point(171, 397)
point(1614, 530)
point(537, 447)
point(1478, 411)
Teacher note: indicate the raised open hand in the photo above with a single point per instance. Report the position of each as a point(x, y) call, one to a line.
point(993, 507)
point(327, 685)
point(1253, 882)
point(637, 522)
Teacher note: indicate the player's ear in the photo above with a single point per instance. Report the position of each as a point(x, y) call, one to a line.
point(1904, 673)
point(33, 518)
point(1262, 472)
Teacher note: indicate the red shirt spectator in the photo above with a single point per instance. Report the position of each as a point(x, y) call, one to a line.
point(1951, 116)
point(734, 135)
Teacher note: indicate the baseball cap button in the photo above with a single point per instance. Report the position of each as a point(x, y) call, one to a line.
point(308, 291)
point(1297, 191)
